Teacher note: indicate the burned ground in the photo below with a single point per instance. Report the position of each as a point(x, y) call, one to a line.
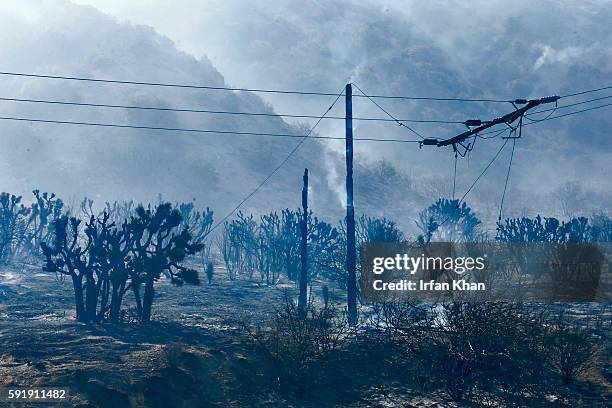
point(196, 352)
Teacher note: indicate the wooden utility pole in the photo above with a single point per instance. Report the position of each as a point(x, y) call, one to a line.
point(302, 300)
point(351, 283)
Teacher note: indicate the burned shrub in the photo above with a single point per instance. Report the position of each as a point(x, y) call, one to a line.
point(465, 348)
point(571, 348)
point(398, 322)
point(299, 346)
point(490, 347)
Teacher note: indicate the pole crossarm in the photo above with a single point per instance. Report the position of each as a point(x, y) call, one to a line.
point(507, 119)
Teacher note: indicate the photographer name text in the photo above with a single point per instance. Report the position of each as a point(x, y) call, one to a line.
point(428, 286)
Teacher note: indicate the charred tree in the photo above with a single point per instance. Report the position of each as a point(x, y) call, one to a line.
point(302, 300)
point(159, 249)
point(69, 254)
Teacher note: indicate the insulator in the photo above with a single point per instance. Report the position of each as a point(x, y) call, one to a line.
point(549, 99)
point(429, 142)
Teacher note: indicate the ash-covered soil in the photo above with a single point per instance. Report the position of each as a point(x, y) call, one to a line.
point(195, 353)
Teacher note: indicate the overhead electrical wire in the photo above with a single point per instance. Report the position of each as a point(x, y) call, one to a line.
point(276, 169)
point(211, 131)
point(571, 113)
point(482, 172)
point(529, 118)
point(569, 105)
point(259, 90)
point(474, 183)
point(190, 130)
point(388, 114)
point(501, 206)
point(308, 134)
point(455, 176)
point(511, 159)
point(494, 132)
point(193, 110)
point(603, 88)
point(163, 84)
point(255, 90)
point(391, 119)
point(363, 94)
point(551, 118)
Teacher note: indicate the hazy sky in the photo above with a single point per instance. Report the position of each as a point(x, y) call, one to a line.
point(475, 49)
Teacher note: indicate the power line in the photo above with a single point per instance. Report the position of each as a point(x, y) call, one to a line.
point(551, 118)
point(586, 92)
point(211, 131)
point(163, 84)
point(496, 133)
point(302, 137)
point(225, 88)
point(191, 110)
point(569, 105)
point(308, 134)
point(259, 90)
point(501, 206)
point(570, 113)
point(483, 172)
point(281, 164)
point(478, 126)
point(388, 114)
point(552, 112)
point(511, 157)
point(473, 184)
point(391, 119)
point(455, 176)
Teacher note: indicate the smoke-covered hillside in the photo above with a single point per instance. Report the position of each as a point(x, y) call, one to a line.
point(436, 48)
point(106, 163)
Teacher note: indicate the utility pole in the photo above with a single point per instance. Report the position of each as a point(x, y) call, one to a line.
point(351, 283)
point(302, 300)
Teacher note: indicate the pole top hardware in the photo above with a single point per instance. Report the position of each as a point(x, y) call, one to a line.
point(550, 99)
point(473, 122)
point(429, 142)
point(546, 99)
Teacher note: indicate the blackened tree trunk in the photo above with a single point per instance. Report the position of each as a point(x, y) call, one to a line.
point(104, 295)
point(302, 300)
point(79, 303)
point(147, 301)
point(91, 298)
point(137, 297)
point(115, 305)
